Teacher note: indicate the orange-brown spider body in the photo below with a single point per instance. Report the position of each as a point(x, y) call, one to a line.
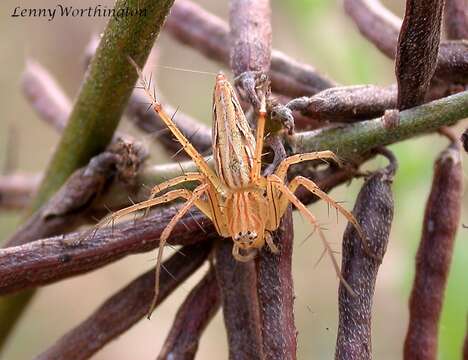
point(242, 204)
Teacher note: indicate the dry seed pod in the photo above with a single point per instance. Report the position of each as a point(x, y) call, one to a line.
point(441, 221)
point(374, 212)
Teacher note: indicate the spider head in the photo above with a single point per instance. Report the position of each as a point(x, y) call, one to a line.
point(248, 239)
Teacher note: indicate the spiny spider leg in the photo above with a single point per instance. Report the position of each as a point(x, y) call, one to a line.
point(278, 184)
point(190, 176)
point(314, 189)
point(193, 200)
point(295, 159)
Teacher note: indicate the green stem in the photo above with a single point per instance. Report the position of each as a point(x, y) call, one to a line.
point(353, 140)
point(98, 108)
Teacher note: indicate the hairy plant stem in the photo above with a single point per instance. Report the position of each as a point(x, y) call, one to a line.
point(97, 110)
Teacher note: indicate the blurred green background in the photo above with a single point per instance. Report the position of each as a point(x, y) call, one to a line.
point(313, 31)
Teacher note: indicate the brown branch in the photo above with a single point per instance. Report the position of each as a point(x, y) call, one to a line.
point(45, 95)
point(126, 307)
point(347, 103)
point(456, 19)
point(250, 38)
point(191, 320)
point(52, 259)
point(418, 47)
point(381, 27)
point(374, 212)
point(65, 210)
point(441, 221)
point(276, 295)
point(193, 26)
point(49, 260)
point(237, 283)
point(16, 190)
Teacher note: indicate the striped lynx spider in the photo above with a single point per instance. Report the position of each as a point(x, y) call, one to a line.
point(242, 204)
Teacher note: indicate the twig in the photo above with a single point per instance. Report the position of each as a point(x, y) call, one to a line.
point(195, 27)
point(356, 139)
point(250, 36)
point(105, 91)
point(374, 212)
point(237, 283)
point(415, 65)
point(381, 27)
point(45, 95)
point(441, 222)
point(191, 319)
point(48, 260)
point(126, 307)
point(456, 19)
point(66, 208)
point(347, 103)
point(16, 190)
point(276, 295)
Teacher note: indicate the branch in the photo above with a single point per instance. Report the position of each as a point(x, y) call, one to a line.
point(237, 283)
point(126, 307)
point(45, 95)
point(250, 36)
point(16, 190)
point(456, 19)
point(276, 294)
point(381, 27)
point(193, 26)
point(415, 65)
point(97, 110)
point(48, 260)
point(105, 91)
point(355, 139)
point(374, 212)
point(191, 319)
point(440, 224)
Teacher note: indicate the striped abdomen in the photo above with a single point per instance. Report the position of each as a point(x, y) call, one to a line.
point(233, 141)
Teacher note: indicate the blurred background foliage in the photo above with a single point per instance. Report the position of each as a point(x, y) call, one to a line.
point(313, 31)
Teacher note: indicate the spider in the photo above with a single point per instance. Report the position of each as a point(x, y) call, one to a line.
point(242, 204)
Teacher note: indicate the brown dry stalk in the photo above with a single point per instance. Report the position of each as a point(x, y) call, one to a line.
point(250, 36)
point(45, 95)
point(44, 261)
point(381, 27)
point(374, 212)
point(276, 295)
point(64, 211)
point(193, 26)
point(456, 19)
point(418, 47)
point(441, 222)
point(238, 286)
point(16, 190)
point(126, 307)
point(191, 319)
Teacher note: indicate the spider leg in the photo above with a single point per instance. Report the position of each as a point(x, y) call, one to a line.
point(278, 183)
point(243, 258)
point(314, 189)
point(269, 240)
point(295, 159)
point(190, 176)
point(194, 199)
point(186, 145)
point(257, 164)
